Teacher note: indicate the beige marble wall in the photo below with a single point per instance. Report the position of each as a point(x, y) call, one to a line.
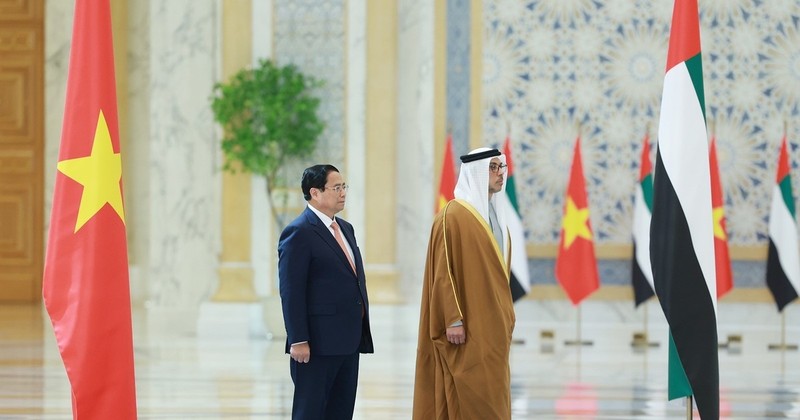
point(172, 162)
point(184, 157)
point(355, 127)
point(415, 139)
point(262, 231)
point(58, 34)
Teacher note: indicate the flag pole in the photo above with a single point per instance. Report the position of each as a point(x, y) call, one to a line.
point(647, 342)
point(641, 340)
point(508, 135)
point(783, 346)
point(689, 407)
point(578, 341)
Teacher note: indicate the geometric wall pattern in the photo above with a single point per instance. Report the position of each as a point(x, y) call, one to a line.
point(553, 65)
point(458, 74)
point(311, 35)
point(553, 68)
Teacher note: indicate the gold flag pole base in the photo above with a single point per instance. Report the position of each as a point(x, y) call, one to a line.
point(578, 343)
point(733, 345)
point(639, 341)
point(783, 347)
point(547, 341)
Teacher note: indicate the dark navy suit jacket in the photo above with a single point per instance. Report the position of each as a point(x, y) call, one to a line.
point(323, 299)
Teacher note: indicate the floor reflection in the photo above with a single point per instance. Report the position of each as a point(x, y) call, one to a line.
point(191, 377)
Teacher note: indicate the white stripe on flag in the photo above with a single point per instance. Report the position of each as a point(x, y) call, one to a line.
point(684, 152)
point(783, 231)
point(519, 254)
point(641, 235)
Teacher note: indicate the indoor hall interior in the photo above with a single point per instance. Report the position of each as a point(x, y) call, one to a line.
point(402, 80)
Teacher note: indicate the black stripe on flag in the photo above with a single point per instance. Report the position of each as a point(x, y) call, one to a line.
point(517, 292)
point(641, 287)
point(682, 290)
point(780, 286)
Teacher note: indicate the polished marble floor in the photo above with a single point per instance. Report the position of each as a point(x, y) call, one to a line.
point(214, 376)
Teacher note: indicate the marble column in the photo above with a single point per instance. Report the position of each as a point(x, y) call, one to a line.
point(416, 138)
point(380, 249)
point(235, 270)
point(180, 157)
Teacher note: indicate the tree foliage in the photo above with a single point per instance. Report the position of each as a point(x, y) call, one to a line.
point(269, 117)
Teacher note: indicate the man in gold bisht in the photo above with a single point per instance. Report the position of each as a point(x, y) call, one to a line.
point(467, 315)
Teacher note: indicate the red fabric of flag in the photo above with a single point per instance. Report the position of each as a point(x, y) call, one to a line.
point(85, 287)
point(447, 182)
point(576, 265)
point(722, 257)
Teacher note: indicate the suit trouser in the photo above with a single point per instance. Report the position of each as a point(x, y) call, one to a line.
point(325, 387)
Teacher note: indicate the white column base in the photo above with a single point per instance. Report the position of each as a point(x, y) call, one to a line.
point(231, 320)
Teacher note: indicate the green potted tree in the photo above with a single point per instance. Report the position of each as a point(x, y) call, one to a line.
point(269, 117)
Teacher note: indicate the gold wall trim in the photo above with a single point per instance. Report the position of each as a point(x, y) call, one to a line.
point(439, 91)
point(625, 251)
point(235, 271)
point(381, 139)
point(605, 252)
point(618, 292)
point(476, 75)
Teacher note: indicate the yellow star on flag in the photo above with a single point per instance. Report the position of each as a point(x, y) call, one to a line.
point(575, 223)
point(719, 217)
point(99, 173)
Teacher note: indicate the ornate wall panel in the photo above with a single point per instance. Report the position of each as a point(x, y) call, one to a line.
point(21, 150)
point(311, 35)
point(458, 74)
point(552, 66)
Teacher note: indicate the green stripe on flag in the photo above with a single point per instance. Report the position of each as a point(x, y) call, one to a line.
point(678, 386)
point(786, 192)
point(694, 66)
point(647, 191)
point(511, 192)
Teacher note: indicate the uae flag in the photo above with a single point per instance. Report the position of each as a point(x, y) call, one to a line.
point(642, 275)
point(681, 231)
point(85, 286)
point(520, 277)
point(722, 257)
point(576, 265)
point(447, 182)
point(783, 260)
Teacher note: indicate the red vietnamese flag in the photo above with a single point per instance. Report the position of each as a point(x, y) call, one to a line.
point(723, 260)
point(85, 285)
point(576, 265)
point(447, 182)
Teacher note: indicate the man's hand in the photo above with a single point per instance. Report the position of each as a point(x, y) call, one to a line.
point(456, 335)
point(301, 353)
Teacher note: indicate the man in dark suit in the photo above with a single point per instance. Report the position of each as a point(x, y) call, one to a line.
point(324, 299)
